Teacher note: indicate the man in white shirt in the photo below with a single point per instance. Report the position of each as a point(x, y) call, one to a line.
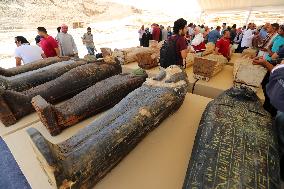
point(26, 52)
point(247, 37)
point(66, 42)
point(198, 40)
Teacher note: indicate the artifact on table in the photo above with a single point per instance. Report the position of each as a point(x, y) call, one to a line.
point(208, 66)
point(33, 78)
point(235, 145)
point(129, 55)
point(97, 98)
point(31, 66)
point(106, 52)
point(210, 48)
point(90, 58)
point(85, 158)
point(153, 43)
point(245, 73)
point(15, 105)
point(249, 53)
point(147, 60)
point(190, 59)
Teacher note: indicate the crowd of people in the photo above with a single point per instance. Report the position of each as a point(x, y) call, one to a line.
point(156, 32)
point(47, 46)
point(267, 40)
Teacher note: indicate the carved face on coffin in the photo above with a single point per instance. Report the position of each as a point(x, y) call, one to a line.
point(172, 77)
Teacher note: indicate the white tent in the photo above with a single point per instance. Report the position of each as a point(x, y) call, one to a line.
point(242, 11)
point(225, 5)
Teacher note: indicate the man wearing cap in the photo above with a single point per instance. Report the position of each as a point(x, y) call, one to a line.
point(66, 42)
point(88, 40)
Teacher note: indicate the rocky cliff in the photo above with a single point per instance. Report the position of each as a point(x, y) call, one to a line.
point(32, 13)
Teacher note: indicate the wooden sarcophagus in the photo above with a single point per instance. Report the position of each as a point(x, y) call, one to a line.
point(15, 105)
point(208, 66)
point(33, 78)
point(85, 158)
point(235, 145)
point(97, 98)
point(31, 66)
point(147, 60)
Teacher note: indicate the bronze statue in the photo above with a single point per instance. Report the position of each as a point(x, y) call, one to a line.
point(15, 105)
point(31, 66)
point(33, 78)
point(97, 98)
point(235, 145)
point(84, 159)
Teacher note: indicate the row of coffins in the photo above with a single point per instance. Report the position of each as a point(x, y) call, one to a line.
point(235, 146)
point(15, 104)
point(85, 158)
point(31, 66)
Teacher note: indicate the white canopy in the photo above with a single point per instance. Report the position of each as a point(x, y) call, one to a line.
point(225, 5)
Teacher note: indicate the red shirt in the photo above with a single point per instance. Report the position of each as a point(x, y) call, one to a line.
point(180, 46)
point(224, 46)
point(156, 33)
point(48, 45)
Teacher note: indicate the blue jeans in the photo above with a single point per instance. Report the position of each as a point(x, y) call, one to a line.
point(91, 50)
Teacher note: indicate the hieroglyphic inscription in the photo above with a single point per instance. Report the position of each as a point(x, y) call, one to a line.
point(235, 146)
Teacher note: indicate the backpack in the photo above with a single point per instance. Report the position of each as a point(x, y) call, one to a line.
point(168, 53)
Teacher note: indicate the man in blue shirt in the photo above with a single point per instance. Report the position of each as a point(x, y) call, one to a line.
point(276, 44)
point(214, 35)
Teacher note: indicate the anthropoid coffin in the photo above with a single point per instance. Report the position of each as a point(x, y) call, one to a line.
point(245, 73)
point(15, 105)
point(97, 98)
point(249, 53)
point(106, 51)
point(85, 158)
point(156, 44)
point(33, 78)
point(31, 66)
point(90, 58)
point(235, 145)
point(208, 66)
point(147, 59)
point(129, 55)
